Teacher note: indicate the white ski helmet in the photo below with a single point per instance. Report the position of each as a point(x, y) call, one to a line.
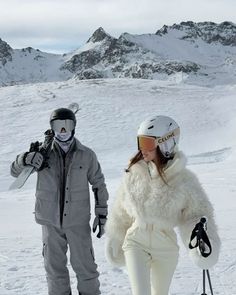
point(165, 130)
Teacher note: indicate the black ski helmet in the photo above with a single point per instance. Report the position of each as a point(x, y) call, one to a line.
point(62, 114)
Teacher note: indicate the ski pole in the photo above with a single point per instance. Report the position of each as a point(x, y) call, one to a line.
point(209, 281)
point(204, 246)
point(204, 282)
point(206, 271)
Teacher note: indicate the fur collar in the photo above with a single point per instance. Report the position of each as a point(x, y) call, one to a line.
point(173, 168)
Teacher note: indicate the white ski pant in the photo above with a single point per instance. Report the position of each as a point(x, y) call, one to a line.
point(151, 255)
point(55, 245)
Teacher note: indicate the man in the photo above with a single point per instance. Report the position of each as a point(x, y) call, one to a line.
point(63, 205)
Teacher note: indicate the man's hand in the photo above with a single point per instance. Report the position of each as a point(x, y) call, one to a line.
point(99, 222)
point(34, 159)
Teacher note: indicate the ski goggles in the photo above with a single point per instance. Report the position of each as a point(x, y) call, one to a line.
point(149, 143)
point(63, 125)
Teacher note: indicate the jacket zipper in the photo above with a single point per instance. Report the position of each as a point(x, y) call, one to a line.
point(62, 193)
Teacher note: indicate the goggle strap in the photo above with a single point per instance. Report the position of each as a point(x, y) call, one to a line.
point(169, 135)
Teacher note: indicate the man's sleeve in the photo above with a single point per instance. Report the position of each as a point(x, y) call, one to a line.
point(96, 179)
point(18, 165)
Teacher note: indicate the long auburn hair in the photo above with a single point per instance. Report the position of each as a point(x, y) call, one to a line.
point(160, 162)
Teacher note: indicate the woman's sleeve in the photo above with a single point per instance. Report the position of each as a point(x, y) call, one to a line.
point(196, 205)
point(116, 226)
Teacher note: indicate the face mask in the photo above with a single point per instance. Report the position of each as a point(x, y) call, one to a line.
point(64, 136)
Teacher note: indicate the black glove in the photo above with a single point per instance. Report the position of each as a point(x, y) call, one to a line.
point(99, 222)
point(34, 159)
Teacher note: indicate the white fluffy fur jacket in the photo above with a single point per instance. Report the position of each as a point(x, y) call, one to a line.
point(143, 195)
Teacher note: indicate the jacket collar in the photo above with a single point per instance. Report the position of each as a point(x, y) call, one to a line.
point(77, 144)
point(172, 169)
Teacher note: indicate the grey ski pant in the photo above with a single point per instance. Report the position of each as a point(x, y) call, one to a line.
point(55, 245)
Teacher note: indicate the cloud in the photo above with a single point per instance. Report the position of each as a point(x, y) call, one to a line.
point(72, 22)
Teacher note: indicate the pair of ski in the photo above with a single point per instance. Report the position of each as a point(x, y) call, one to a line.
point(28, 170)
point(22, 178)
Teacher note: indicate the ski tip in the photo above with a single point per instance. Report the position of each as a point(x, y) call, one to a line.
point(12, 187)
point(74, 106)
point(15, 185)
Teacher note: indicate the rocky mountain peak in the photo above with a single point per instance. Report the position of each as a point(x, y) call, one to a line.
point(99, 35)
point(29, 49)
point(224, 33)
point(5, 52)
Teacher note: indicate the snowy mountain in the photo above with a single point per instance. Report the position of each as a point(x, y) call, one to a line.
point(28, 65)
point(209, 32)
point(201, 53)
point(111, 110)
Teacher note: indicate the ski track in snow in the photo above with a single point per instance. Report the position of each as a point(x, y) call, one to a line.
point(209, 157)
point(110, 113)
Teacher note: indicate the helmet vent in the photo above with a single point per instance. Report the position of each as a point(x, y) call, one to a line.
point(150, 127)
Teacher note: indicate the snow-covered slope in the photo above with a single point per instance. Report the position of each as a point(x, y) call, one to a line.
point(196, 53)
point(176, 44)
point(111, 110)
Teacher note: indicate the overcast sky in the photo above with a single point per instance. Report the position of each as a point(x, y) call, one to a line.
point(64, 25)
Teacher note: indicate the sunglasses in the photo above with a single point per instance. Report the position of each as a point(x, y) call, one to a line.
point(149, 143)
point(63, 125)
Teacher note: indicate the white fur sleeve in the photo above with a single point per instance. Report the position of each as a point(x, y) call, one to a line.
point(197, 205)
point(116, 226)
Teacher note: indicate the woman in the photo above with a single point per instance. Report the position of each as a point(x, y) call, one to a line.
point(157, 194)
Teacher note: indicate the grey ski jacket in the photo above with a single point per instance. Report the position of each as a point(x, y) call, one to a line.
point(73, 174)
